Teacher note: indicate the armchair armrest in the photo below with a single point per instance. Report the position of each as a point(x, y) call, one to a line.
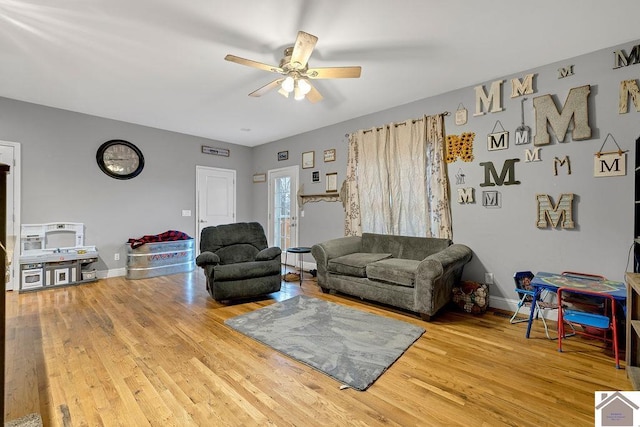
point(268, 254)
point(207, 258)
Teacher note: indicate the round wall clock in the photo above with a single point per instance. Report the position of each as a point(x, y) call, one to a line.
point(120, 159)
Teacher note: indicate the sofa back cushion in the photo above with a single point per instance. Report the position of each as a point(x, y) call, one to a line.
point(405, 247)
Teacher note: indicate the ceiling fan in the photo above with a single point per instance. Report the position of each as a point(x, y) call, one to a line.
point(295, 70)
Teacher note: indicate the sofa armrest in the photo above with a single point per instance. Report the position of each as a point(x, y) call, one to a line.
point(334, 248)
point(207, 258)
point(323, 252)
point(452, 257)
point(436, 276)
point(268, 254)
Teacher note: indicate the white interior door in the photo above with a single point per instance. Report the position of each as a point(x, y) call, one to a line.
point(10, 155)
point(283, 209)
point(216, 198)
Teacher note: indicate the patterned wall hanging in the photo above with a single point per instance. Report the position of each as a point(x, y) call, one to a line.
point(461, 115)
point(523, 131)
point(460, 146)
point(460, 177)
point(498, 140)
point(610, 163)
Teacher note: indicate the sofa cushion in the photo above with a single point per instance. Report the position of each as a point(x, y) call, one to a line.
point(354, 264)
point(393, 270)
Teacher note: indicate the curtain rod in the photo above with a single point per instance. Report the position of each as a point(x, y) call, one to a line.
point(446, 113)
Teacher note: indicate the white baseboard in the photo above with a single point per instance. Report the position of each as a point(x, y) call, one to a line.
point(115, 272)
point(511, 304)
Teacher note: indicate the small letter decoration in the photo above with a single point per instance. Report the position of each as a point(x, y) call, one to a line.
point(498, 140)
point(610, 163)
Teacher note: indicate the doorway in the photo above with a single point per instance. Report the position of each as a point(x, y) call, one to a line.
point(216, 198)
point(283, 209)
point(10, 155)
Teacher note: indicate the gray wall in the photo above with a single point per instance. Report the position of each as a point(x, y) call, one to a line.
point(506, 240)
point(61, 180)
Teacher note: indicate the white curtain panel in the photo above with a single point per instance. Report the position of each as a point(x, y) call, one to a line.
point(396, 180)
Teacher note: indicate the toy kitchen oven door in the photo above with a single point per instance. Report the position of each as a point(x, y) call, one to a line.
point(32, 275)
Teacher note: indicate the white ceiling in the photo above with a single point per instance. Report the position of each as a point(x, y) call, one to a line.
point(160, 63)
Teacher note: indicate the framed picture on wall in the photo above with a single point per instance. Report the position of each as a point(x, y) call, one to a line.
point(330, 155)
point(332, 182)
point(308, 160)
point(315, 176)
point(283, 155)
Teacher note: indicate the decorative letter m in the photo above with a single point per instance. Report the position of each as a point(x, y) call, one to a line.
point(508, 170)
point(575, 110)
point(548, 213)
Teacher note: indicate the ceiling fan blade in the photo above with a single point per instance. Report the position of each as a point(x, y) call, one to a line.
point(254, 64)
point(334, 73)
point(266, 88)
point(283, 92)
point(314, 96)
point(305, 43)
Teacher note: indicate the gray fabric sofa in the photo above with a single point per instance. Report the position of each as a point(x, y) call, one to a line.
point(237, 262)
point(413, 273)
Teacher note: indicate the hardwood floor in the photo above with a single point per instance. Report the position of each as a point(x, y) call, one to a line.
point(156, 352)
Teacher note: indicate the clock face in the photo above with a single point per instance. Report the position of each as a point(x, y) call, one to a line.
point(120, 159)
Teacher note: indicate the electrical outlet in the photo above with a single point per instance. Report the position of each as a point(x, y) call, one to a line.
point(488, 278)
point(116, 257)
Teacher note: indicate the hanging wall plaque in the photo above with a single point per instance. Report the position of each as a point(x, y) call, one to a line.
point(610, 163)
point(522, 131)
point(498, 140)
point(461, 115)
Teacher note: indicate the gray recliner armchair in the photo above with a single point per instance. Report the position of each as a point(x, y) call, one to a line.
point(237, 261)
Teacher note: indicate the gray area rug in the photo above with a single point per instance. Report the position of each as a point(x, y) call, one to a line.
point(31, 420)
point(352, 346)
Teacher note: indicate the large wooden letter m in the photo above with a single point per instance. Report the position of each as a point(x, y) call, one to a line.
point(560, 214)
point(575, 110)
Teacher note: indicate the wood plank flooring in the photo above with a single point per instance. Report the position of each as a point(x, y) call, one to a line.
point(155, 352)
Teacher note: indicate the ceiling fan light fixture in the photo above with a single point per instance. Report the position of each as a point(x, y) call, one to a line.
point(304, 86)
point(298, 94)
point(288, 84)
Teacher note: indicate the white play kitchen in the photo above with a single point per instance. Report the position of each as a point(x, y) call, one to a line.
point(54, 254)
